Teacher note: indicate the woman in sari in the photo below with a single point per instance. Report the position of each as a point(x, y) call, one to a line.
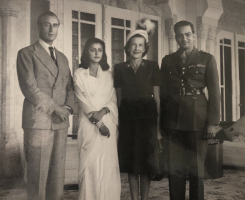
point(137, 84)
point(99, 176)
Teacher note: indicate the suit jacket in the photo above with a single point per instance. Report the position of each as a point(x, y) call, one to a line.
point(43, 84)
point(189, 113)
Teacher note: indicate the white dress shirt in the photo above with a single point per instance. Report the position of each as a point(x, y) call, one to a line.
point(46, 46)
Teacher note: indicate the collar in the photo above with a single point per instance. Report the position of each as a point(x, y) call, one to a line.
point(141, 64)
point(188, 52)
point(46, 46)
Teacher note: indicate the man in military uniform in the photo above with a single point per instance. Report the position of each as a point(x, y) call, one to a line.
point(187, 117)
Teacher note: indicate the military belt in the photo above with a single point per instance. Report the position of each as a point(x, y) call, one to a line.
point(182, 91)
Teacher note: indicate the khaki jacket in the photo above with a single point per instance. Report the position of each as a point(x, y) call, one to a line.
point(189, 113)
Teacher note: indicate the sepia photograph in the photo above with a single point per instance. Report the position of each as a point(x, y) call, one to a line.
point(122, 99)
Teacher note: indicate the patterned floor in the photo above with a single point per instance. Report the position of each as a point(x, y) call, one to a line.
point(230, 187)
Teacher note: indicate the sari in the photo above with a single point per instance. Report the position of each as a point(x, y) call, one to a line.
point(99, 176)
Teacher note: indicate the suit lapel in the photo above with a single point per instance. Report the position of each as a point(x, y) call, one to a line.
point(44, 57)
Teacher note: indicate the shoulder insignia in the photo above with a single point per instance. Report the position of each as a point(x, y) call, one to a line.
point(204, 51)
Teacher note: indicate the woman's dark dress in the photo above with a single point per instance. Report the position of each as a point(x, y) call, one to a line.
point(137, 115)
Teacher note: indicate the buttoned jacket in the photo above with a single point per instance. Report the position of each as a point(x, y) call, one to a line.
point(189, 112)
point(44, 85)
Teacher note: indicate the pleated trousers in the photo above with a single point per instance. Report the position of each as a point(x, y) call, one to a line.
point(45, 155)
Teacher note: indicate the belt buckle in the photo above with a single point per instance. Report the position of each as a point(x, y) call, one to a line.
point(182, 91)
point(194, 91)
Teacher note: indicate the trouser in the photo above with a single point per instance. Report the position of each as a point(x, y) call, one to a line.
point(45, 154)
point(187, 152)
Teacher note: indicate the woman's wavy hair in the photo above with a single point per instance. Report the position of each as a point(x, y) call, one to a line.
point(85, 56)
point(128, 43)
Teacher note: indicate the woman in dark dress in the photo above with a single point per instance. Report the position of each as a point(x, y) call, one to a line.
point(137, 84)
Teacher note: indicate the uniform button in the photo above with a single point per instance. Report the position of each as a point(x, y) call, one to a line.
point(182, 80)
point(169, 72)
point(197, 72)
point(182, 84)
point(183, 67)
point(183, 72)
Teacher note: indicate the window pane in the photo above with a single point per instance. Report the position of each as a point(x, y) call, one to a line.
point(128, 23)
point(87, 16)
point(241, 44)
point(74, 14)
point(127, 32)
point(87, 32)
point(221, 66)
point(75, 125)
point(241, 59)
point(222, 105)
point(117, 22)
point(228, 83)
point(117, 45)
point(75, 58)
point(74, 45)
point(221, 41)
point(227, 41)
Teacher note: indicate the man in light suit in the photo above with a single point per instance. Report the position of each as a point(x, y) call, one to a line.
point(45, 81)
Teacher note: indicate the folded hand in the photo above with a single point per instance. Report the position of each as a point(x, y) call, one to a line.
point(104, 131)
point(96, 116)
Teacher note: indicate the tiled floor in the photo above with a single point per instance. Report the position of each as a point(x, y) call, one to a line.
point(230, 187)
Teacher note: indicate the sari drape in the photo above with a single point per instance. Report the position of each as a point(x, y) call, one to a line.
point(99, 176)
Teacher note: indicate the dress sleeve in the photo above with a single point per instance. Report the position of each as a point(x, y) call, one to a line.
point(117, 77)
point(156, 77)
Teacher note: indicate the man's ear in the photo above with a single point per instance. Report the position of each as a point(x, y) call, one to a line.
point(194, 35)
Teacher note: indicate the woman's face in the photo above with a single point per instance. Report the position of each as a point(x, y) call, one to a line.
point(136, 47)
point(95, 52)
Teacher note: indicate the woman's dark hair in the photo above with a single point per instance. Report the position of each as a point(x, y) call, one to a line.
point(85, 57)
point(183, 23)
point(128, 43)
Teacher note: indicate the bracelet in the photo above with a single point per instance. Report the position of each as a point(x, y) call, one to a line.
point(106, 109)
point(100, 124)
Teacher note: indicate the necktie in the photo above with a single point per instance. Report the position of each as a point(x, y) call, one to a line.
point(183, 57)
point(51, 49)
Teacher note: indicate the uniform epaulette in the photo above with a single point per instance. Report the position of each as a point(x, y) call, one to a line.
point(204, 51)
point(171, 53)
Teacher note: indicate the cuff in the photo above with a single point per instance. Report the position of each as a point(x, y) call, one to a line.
point(69, 109)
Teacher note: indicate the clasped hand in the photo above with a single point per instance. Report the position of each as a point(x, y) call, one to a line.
point(95, 117)
point(60, 114)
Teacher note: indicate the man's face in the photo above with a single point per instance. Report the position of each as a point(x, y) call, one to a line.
point(184, 37)
point(48, 29)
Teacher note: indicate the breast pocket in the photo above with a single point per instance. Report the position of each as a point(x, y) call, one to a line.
point(196, 73)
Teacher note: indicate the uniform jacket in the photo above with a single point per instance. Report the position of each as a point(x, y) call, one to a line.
point(43, 84)
point(189, 113)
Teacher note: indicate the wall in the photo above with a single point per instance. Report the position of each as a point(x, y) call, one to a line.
point(15, 35)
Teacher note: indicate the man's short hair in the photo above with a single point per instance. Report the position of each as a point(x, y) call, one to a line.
point(183, 23)
point(47, 13)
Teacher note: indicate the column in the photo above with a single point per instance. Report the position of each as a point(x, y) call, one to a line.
point(169, 26)
point(202, 35)
point(9, 145)
point(211, 39)
point(2, 136)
